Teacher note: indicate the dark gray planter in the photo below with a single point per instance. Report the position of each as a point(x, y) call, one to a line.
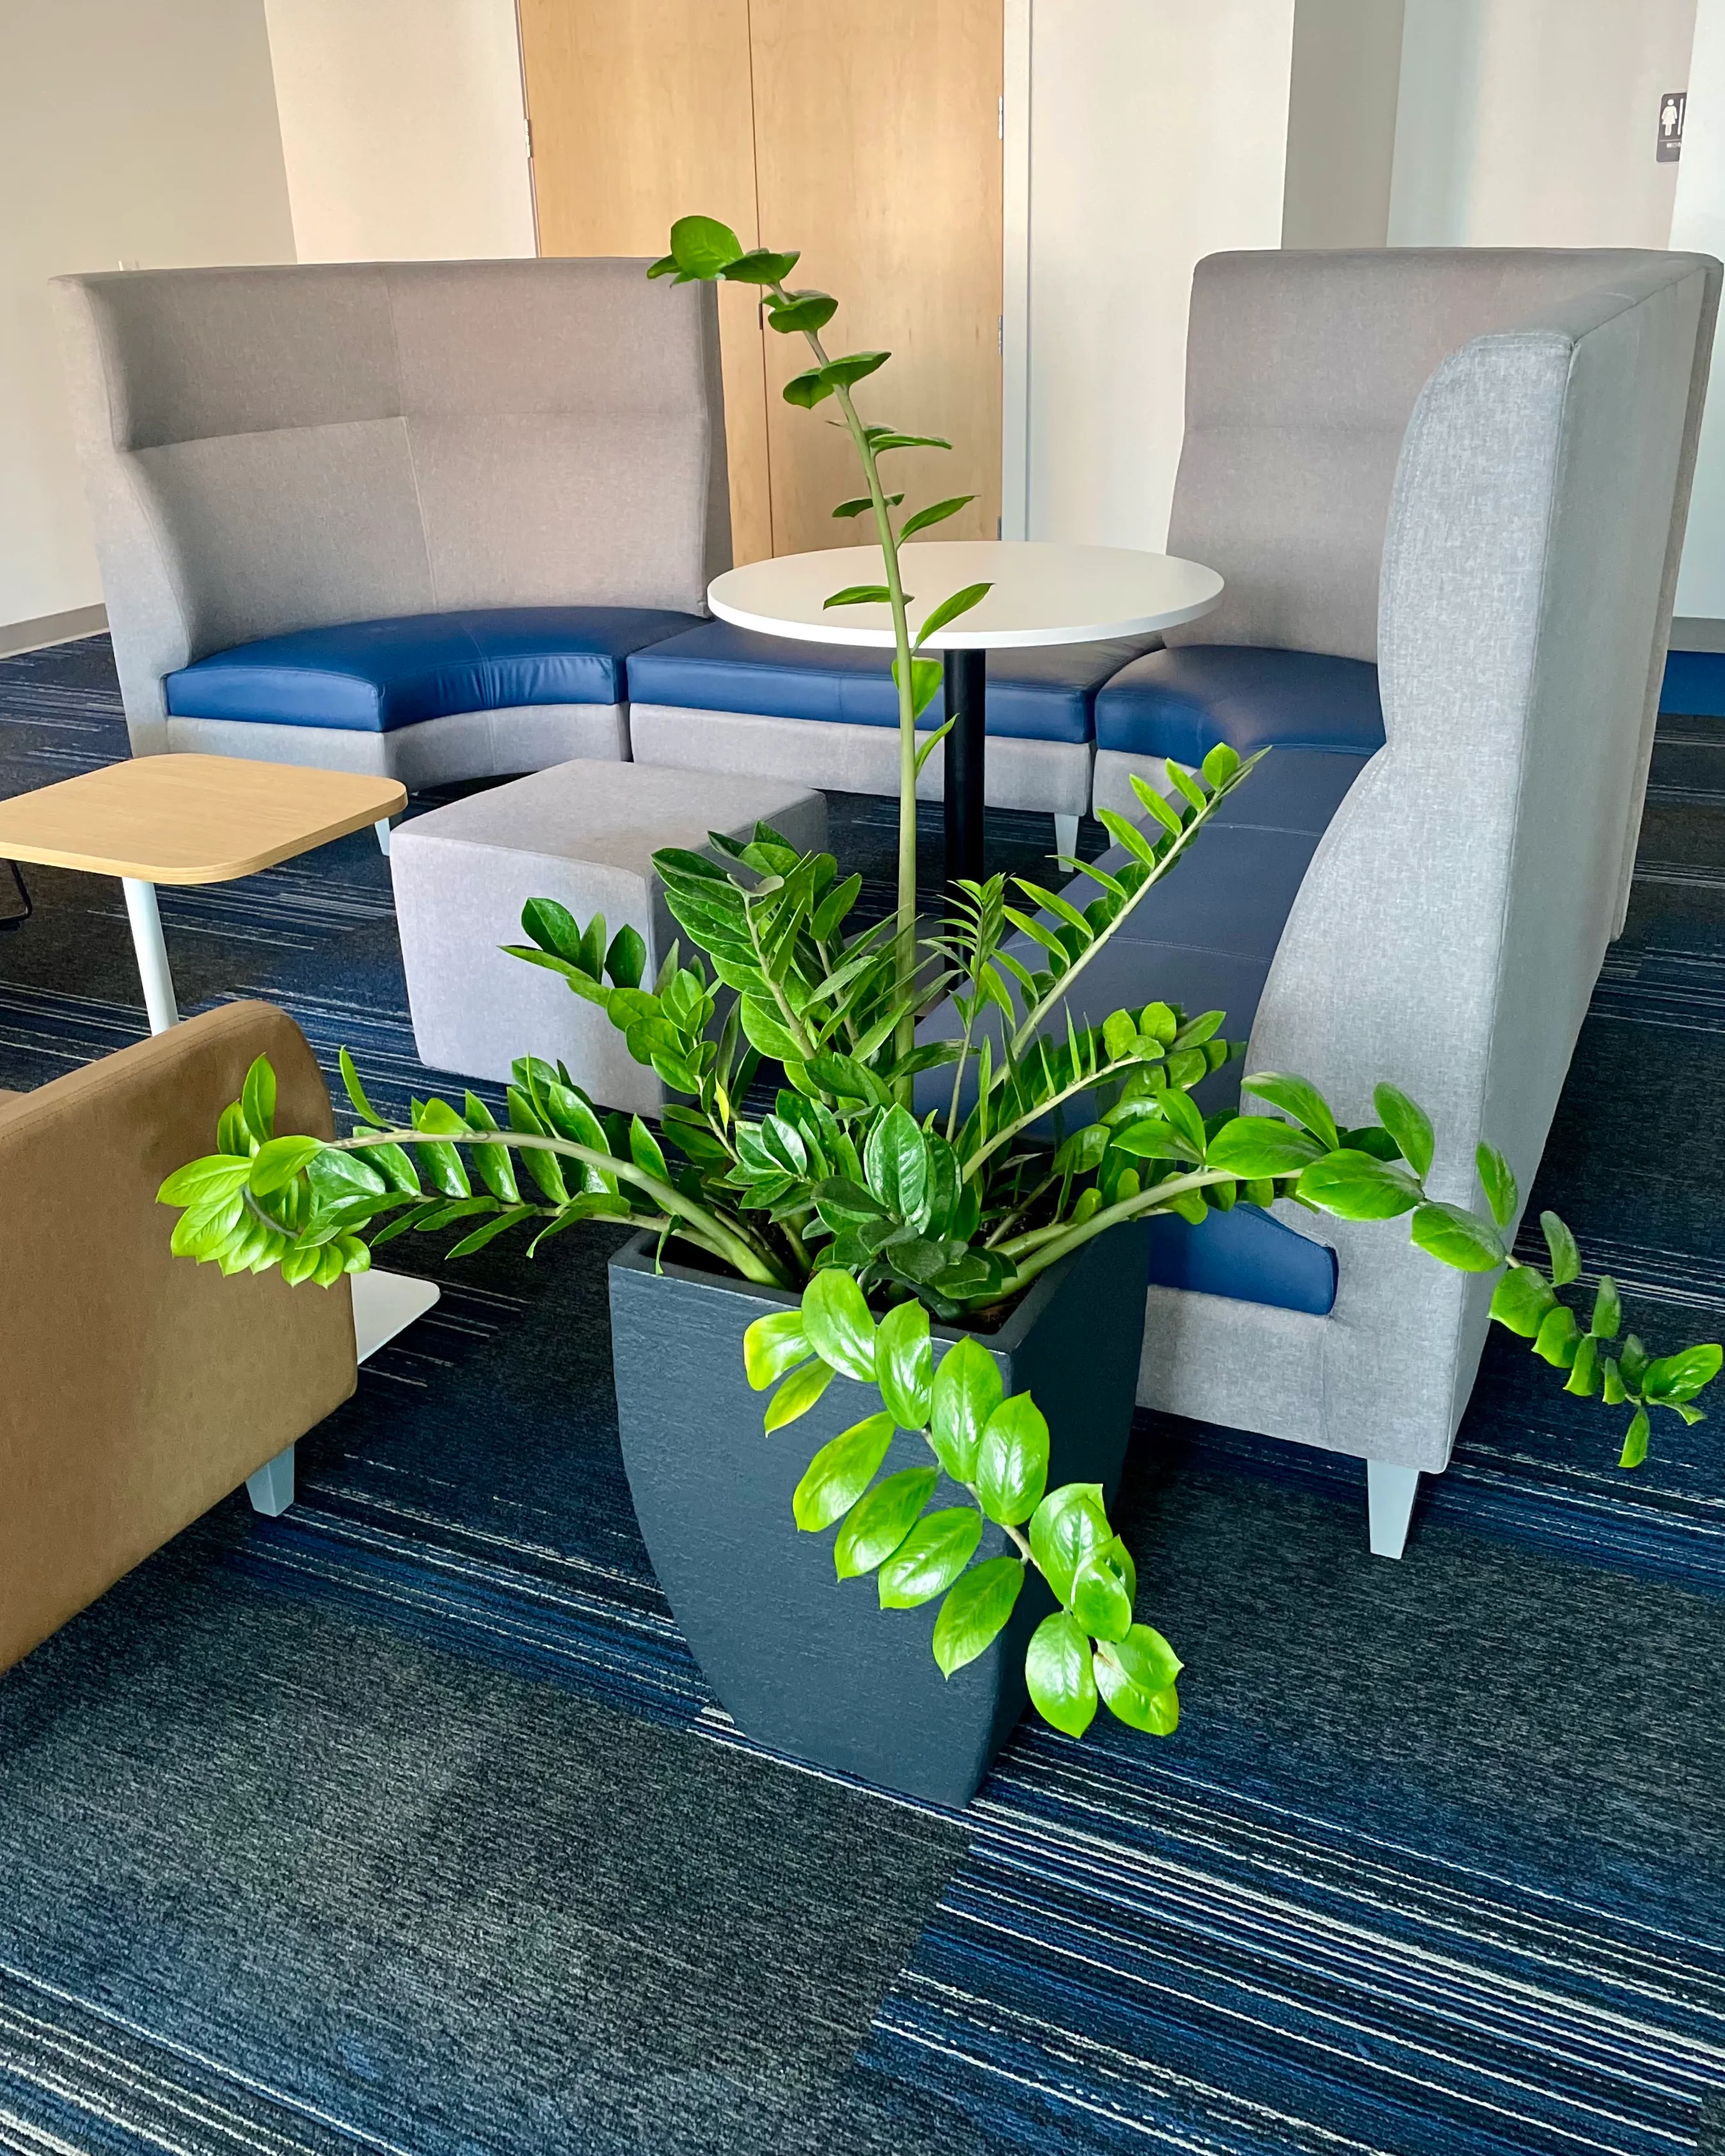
point(802, 1661)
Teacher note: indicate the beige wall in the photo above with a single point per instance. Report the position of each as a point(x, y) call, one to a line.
point(1157, 133)
point(1341, 125)
point(1698, 222)
point(402, 124)
point(1531, 123)
point(129, 133)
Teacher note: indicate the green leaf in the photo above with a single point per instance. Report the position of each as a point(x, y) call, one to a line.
point(1584, 1378)
point(966, 1390)
point(929, 1558)
point(949, 610)
point(1220, 765)
point(1555, 1341)
point(626, 961)
point(808, 312)
point(276, 1163)
point(761, 266)
point(257, 1100)
point(888, 438)
point(1057, 1668)
point(975, 1609)
point(553, 928)
point(840, 1471)
point(1355, 1186)
point(851, 367)
point(806, 390)
point(1012, 1461)
point(644, 1152)
point(926, 677)
point(1457, 1238)
point(1680, 1377)
point(1135, 1677)
point(860, 504)
point(1521, 1299)
point(796, 1396)
point(1299, 1098)
point(1070, 1524)
point(213, 1179)
point(1614, 1394)
point(1102, 1598)
point(896, 1163)
point(1635, 1443)
point(356, 1093)
point(1408, 1123)
point(1498, 1183)
point(860, 595)
point(879, 1521)
point(904, 1364)
point(766, 1030)
point(1252, 1146)
point(937, 512)
point(702, 247)
point(773, 1345)
point(1608, 1310)
point(1565, 1258)
point(836, 1318)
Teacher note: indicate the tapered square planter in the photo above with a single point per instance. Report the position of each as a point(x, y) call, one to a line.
point(802, 1661)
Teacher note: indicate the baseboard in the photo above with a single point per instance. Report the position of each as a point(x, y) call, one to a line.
point(16, 636)
point(1695, 632)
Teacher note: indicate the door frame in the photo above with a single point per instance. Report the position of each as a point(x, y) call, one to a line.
point(1015, 271)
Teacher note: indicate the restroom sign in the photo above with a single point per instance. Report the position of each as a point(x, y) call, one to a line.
point(1672, 108)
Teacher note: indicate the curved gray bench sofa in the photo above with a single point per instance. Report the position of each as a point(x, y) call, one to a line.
point(511, 473)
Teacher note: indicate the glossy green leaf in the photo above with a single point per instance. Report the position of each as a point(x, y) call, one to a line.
point(860, 595)
point(1498, 1182)
point(1457, 1238)
point(257, 1100)
point(217, 1177)
point(626, 961)
point(773, 1345)
point(1102, 1599)
point(1220, 765)
point(1521, 1299)
point(841, 1472)
point(937, 512)
point(904, 1364)
point(1262, 1146)
point(976, 1608)
point(807, 312)
point(1635, 1443)
point(860, 504)
point(929, 1558)
point(276, 1163)
point(1012, 1461)
point(1058, 1670)
point(761, 265)
point(897, 1164)
point(702, 247)
point(806, 390)
point(966, 1392)
point(881, 1519)
point(798, 1393)
point(853, 366)
point(1135, 1678)
point(1070, 1524)
point(1297, 1097)
point(1565, 1257)
point(1555, 1342)
point(1608, 1310)
point(356, 1093)
point(764, 1029)
point(1355, 1186)
point(927, 677)
point(1408, 1123)
point(1680, 1377)
point(835, 1317)
point(949, 610)
point(1584, 1378)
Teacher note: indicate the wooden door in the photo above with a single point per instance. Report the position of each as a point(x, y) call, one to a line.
point(877, 145)
point(641, 113)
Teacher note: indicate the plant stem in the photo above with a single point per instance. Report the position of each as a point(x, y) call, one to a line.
point(1156, 1199)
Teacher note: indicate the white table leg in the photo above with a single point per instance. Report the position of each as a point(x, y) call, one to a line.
point(152, 954)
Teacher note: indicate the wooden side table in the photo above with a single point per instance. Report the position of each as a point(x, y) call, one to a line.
point(185, 819)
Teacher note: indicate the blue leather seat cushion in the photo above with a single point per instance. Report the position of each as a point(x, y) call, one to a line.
point(375, 675)
point(1043, 694)
point(1181, 702)
point(1247, 1255)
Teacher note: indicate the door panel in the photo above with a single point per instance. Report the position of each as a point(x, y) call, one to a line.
point(642, 113)
point(878, 154)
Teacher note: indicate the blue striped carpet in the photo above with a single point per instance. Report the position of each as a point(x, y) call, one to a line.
point(1436, 1864)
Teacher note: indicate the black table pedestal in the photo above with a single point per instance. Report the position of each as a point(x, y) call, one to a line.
point(966, 707)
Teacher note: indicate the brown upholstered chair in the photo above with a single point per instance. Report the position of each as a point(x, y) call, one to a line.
point(136, 1387)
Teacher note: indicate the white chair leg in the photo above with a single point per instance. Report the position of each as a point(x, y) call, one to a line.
point(381, 827)
point(1390, 1491)
point(1066, 835)
point(271, 1489)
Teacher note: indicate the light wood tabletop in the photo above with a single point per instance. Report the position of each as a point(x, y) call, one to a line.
point(186, 819)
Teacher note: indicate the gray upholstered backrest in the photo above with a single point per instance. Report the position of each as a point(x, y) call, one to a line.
point(274, 449)
point(1449, 932)
point(1301, 372)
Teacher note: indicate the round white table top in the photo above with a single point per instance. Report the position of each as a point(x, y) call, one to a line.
point(1043, 593)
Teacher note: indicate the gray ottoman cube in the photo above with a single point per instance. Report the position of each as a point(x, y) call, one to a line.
point(583, 833)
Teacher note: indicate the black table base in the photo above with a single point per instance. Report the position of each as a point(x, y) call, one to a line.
point(966, 707)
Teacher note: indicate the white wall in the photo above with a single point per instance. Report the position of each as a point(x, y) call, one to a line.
point(133, 134)
point(1698, 222)
point(402, 124)
point(1532, 123)
point(1158, 134)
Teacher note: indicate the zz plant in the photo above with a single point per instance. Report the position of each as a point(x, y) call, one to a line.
point(883, 1204)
